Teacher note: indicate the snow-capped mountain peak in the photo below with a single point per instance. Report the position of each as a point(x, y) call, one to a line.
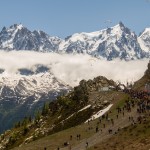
point(118, 29)
point(7, 35)
point(147, 30)
point(17, 26)
point(144, 40)
point(110, 43)
point(18, 37)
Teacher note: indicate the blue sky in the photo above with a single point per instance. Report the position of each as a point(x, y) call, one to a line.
point(65, 17)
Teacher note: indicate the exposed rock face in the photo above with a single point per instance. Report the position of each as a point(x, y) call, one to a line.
point(149, 66)
point(96, 83)
point(147, 73)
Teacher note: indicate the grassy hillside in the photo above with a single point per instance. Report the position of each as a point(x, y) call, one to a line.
point(53, 141)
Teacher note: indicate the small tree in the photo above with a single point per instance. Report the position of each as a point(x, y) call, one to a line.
point(37, 116)
point(25, 121)
point(25, 130)
point(45, 109)
point(18, 124)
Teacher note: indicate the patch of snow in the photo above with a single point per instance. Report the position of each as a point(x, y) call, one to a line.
point(99, 113)
point(69, 117)
point(143, 45)
point(84, 108)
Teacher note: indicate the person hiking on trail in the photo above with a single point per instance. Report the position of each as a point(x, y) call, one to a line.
point(100, 120)
point(70, 137)
point(108, 119)
point(101, 130)
point(117, 116)
point(58, 148)
point(110, 131)
point(123, 113)
point(79, 136)
point(112, 121)
point(87, 144)
point(96, 129)
point(129, 118)
point(45, 148)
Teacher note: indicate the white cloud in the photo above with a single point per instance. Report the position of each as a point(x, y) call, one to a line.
point(73, 68)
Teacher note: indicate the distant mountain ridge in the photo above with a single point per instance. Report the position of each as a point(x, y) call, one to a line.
point(115, 42)
point(26, 92)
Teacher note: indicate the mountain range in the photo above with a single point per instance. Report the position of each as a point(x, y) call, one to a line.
point(114, 42)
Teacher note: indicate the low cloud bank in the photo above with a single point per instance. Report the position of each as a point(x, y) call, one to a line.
point(73, 68)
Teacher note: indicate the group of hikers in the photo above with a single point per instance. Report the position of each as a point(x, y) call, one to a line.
point(143, 100)
point(138, 99)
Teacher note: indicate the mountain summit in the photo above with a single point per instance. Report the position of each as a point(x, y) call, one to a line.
point(144, 40)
